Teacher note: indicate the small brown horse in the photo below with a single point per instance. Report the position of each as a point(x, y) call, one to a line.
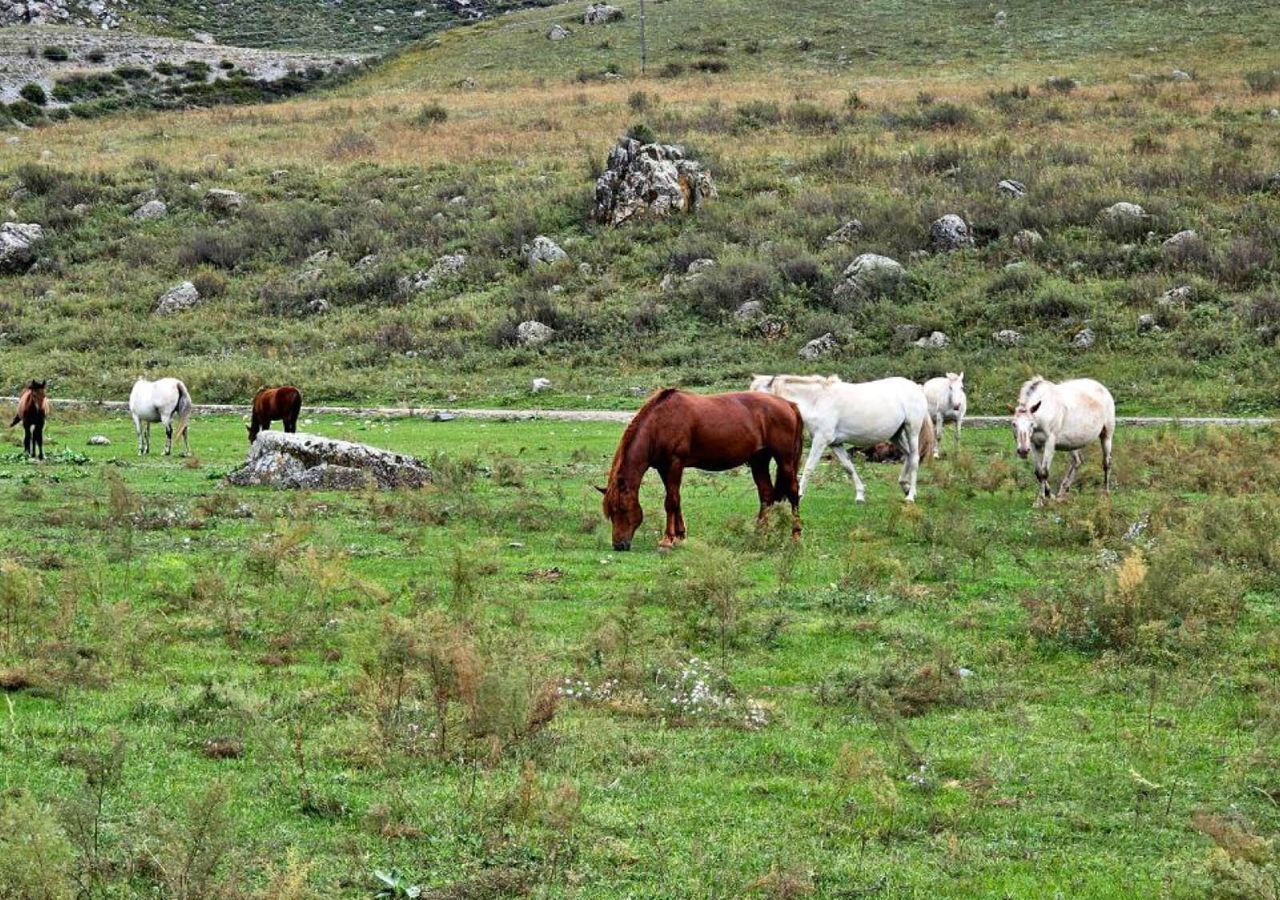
point(33, 409)
point(675, 430)
point(283, 403)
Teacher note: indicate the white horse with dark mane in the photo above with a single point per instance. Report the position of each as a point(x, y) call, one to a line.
point(947, 403)
point(839, 414)
point(1066, 416)
point(164, 401)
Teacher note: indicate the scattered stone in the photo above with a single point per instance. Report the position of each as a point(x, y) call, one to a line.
point(749, 310)
point(309, 461)
point(152, 209)
point(1147, 324)
point(366, 262)
point(948, 233)
point(1178, 296)
point(278, 175)
point(772, 328)
point(935, 341)
point(601, 14)
point(1007, 337)
point(698, 268)
point(18, 245)
point(557, 33)
point(544, 252)
point(846, 233)
point(1181, 243)
point(905, 334)
point(1084, 339)
point(533, 333)
point(178, 298)
point(819, 347)
point(1124, 213)
point(540, 384)
point(1180, 75)
point(1012, 188)
point(1027, 240)
point(869, 276)
point(444, 267)
point(584, 269)
point(99, 440)
point(317, 306)
point(221, 200)
point(1002, 18)
point(202, 37)
point(439, 416)
point(649, 179)
point(80, 210)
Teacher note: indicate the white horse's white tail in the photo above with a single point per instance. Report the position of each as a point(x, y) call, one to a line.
point(183, 412)
point(928, 439)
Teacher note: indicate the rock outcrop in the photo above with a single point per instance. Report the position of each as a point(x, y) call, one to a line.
point(649, 180)
point(950, 232)
point(543, 252)
point(221, 200)
point(445, 267)
point(177, 298)
point(819, 347)
point(312, 462)
point(152, 209)
point(869, 276)
point(18, 246)
point(601, 14)
point(533, 333)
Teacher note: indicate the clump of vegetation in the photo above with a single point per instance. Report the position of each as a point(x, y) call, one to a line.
point(54, 53)
point(34, 93)
point(430, 114)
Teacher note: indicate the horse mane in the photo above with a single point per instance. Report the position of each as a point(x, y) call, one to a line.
point(655, 399)
point(823, 380)
point(1029, 387)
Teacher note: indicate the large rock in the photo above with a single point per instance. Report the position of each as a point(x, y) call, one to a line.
point(544, 252)
point(557, 33)
point(649, 179)
point(152, 209)
point(1181, 244)
point(178, 298)
point(819, 347)
point(280, 460)
point(935, 341)
point(1124, 214)
point(601, 14)
point(17, 245)
point(1084, 339)
point(445, 267)
point(1011, 188)
point(533, 333)
point(948, 233)
point(869, 276)
point(1007, 337)
point(1026, 241)
point(1178, 296)
point(221, 200)
point(846, 233)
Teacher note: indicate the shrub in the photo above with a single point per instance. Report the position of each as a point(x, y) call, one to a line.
point(54, 53)
point(34, 93)
point(1263, 81)
point(26, 112)
point(165, 68)
point(725, 288)
point(96, 55)
point(756, 114)
point(1240, 264)
point(350, 144)
point(209, 283)
point(639, 101)
point(1060, 84)
point(642, 133)
point(671, 70)
point(132, 73)
point(904, 689)
point(811, 117)
point(947, 115)
point(430, 114)
point(195, 70)
point(35, 857)
point(711, 66)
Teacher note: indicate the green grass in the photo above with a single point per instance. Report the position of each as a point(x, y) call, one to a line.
point(162, 621)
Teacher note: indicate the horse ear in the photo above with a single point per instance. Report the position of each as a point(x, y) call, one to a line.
point(602, 490)
point(1012, 409)
point(1037, 406)
point(961, 377)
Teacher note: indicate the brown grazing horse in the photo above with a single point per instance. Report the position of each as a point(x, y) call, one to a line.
point(33, 409)
point(283, 403)
point(675, 430)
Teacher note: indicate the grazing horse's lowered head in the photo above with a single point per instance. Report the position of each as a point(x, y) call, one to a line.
point(622, 508)
point(1025, 413)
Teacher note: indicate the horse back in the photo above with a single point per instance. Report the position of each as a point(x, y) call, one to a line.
point(723, 431)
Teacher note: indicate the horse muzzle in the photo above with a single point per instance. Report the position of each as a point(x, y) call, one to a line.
point(621, 546)
point(1023, 454)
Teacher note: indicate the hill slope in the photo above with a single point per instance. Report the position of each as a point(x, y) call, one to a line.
point(808, 116)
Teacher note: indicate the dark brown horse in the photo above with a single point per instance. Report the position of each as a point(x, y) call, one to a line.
point(283, 403)
point(33, 409)
point(676, 430)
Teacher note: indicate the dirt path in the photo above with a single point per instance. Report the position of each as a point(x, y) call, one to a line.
point(607, 415)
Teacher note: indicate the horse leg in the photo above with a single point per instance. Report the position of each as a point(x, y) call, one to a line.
point(1106, 459)
point(820, 444)
point(1070, 477)
point(37, 439)
point(186, 443)
point(168, 437)
point(1043, 459)
point(26, 440)
point(909, 443)
point(675, 522)
point(959, 420)
point(937, 430)
point(842, 456)
point(764, 484)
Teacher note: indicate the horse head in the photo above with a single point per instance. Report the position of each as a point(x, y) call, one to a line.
point(622, 509)
point(1024, 426)
point(254, 428)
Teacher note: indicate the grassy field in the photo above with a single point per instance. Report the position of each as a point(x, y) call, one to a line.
point(220, 692)
point(491, 135)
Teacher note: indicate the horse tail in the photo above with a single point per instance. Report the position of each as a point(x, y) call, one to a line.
point(183, 409)
point(927, 437)
point(16, 420)
point(785, 490)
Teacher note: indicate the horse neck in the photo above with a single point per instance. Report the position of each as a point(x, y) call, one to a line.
point(631, 461)
point(801, 393)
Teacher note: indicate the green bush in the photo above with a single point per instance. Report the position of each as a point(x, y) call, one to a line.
point(26, 112)
point(55, 54)
point(430, 114)
point(1263, 81)
point(34, 93)
point(35, 856)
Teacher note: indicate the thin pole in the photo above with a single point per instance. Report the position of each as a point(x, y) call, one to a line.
point(643, 54)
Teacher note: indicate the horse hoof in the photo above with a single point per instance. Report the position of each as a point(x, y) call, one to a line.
point(860, 499)
point(664, 548)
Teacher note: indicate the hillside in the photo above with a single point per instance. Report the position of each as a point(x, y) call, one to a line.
point(807, 116)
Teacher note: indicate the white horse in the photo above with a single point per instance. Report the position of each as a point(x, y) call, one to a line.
point(947, 403)
point(1067, 416)
point(837, 413)
point(160, 401)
